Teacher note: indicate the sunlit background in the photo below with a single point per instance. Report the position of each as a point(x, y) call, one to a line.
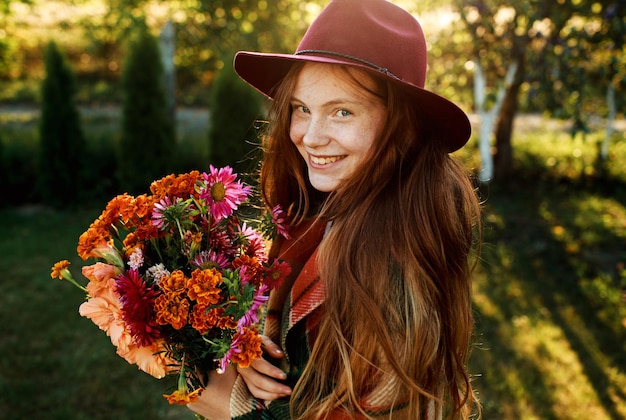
point(544, 82)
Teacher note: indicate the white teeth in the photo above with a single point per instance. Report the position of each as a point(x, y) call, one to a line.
point(324, 160)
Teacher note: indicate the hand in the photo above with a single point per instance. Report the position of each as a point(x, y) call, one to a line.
point(214, 402)
point(262, 377)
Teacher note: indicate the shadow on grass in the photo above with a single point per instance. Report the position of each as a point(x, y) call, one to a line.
point(530, 276)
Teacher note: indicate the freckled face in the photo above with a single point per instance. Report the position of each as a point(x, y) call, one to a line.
point(334, 122)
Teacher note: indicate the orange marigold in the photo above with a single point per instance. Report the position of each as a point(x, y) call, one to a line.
point(185, 184)
point(202, 286)
point(118, 207)
point(146, 231)
point(131, 241)
point(58, 268)
point(90, 240)
point(253, 268)
point(249, 344)
point(227, 322)
point(143, 206)
point(202, 319)
point(175, 282)
point(161, 187)
point(173, 309)
point(183, 397)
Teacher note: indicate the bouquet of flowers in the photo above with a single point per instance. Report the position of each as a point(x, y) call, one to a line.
point(179, 278)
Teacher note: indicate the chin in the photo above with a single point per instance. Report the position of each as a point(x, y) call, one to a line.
point(324, 186)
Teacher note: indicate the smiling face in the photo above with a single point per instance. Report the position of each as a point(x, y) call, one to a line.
point(335, 120)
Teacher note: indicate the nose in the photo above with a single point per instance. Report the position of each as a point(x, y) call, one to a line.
point(316, 133)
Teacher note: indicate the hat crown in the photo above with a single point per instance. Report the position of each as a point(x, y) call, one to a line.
point(371, 32)
point(368, 34)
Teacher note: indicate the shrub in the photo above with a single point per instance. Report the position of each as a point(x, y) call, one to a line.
point(148, 137)
point(3, 173)
point(235, 107)
point(19, 166)
point(61, 136)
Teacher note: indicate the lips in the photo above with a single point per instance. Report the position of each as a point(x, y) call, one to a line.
point(325, 160)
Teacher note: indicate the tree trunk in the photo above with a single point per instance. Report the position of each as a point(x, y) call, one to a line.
point(503, 158)
point(603, 147)
point(610, 103)
point(488, 118)
point(167, 43)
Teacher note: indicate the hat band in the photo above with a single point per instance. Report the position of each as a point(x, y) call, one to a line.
point(349, 57)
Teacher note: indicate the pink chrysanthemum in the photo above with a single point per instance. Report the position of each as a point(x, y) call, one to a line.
point(221, 242)
point(137, 299)
point(252, 316)
point(211, 259)
point(169, 215)
point(223, 191)
point(279, 219)
point(256, 244)
point(158, 214)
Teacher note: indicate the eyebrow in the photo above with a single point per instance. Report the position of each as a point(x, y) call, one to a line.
point(332, 102)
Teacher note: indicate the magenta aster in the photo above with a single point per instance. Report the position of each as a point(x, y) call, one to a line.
point(223, 192)
point(279, 219)
point(252, 315)
point(158, 214)
point(255, 246)
point(222, 242)
point(211, 259)
point(137, 299)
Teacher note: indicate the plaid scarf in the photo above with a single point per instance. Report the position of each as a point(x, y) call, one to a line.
point(292, 319)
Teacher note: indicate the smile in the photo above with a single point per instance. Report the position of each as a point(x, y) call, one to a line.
point(325, 160)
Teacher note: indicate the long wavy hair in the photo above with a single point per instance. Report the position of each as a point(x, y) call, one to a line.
point(396, 266)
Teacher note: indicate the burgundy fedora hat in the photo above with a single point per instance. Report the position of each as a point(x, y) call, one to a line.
point(374, 35)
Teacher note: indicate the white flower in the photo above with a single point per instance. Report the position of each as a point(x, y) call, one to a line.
point(136, 259)
point(157, 272)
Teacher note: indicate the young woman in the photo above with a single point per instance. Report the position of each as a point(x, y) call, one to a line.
point(375, 320)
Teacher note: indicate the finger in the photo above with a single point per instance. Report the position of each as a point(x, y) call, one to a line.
point(271, 348)
point(262, 386)
point(266, 368)
point(264, 395)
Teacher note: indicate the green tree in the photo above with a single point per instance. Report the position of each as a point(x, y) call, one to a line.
point(235, 108)
point(62, 142)
point(506, 34)
point(148, 138)
point(205, 30)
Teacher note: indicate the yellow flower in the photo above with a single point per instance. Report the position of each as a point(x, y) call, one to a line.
point(183, 397)
point(60, 270)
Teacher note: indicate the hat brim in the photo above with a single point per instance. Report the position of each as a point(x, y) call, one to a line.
point(441, 117)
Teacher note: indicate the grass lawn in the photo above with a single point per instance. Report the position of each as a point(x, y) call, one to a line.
point(550, 302)
point(56, 364)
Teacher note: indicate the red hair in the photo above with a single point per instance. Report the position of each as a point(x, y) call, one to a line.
point(396, 265)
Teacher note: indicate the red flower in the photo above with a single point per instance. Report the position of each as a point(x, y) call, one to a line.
point(137, 299)
point(276, 273)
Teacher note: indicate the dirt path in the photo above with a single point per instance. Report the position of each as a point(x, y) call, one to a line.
point(197, 118)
